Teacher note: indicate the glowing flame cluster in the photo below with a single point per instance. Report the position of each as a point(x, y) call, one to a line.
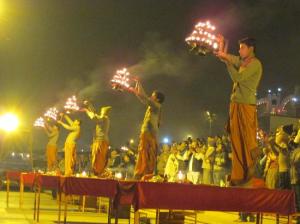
point(203, 39)
point(124, 148)
point(51, 113)
point(39, 122)
point(121, 79)
point(71, 104)
point(180, 176)
point(118, 175)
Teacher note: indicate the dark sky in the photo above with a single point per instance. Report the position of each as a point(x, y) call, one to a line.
point(51, 49)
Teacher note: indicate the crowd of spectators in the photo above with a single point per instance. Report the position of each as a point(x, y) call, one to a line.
point(208, 160)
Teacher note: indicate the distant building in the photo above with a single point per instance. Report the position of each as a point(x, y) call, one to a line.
point(275, 109)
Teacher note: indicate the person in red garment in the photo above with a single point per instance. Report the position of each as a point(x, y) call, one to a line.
point(52, 132)
point(148, 145)
point(101, 140)
point(70, 143)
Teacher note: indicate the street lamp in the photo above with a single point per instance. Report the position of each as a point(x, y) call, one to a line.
point(211, 117)
point(166, 140)
point(9, 122)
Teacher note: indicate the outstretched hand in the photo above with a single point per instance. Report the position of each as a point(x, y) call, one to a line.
point(220, 53)
point(61, 115)
point(136, 88)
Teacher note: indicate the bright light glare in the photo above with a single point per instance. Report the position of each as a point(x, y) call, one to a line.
point(166, 140)
point(9, 122)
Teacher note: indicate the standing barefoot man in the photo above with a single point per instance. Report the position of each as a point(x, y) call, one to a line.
point(245, 72)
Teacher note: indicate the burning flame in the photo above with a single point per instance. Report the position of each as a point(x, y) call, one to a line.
point(203, 38)
point(121, 79)
point(39, 122)
point(181, 176)
point(51, 113)
point(118, 175)
point(124, 148)
point(71, 104)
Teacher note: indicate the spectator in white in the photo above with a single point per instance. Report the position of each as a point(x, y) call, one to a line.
point(171, 169)
point(219, 165)
point(208, 161)
point(183, 156)
point(195, 162)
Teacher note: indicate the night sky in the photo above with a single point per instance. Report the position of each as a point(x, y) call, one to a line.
point(52, 49)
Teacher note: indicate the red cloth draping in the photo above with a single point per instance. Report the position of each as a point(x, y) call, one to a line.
point(213, 198)
point(126, 193)
point(48, 181)
point(149, 195)
point(28, 179)
point(13, 175)
point(89, 186)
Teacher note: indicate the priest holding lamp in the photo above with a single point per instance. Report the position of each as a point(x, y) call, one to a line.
point(245, 72)
point(70, 143)
point(148, 145)
point(100, 139)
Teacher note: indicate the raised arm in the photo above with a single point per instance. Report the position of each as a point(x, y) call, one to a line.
point(224, 56)
point(92, 115)
point(185, 156)
point(68, 119)
point(234, 60)
point(199, 155)
point(209, 152)
point(245, 73)
point(140, 93)
point(297, 138)
point(143, 97)
point(68, 127)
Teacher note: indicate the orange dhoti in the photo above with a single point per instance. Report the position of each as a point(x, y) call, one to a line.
point(51, 153)
point(99, 156)
point(147, 152)
point(242, 128)
point(70, 158)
